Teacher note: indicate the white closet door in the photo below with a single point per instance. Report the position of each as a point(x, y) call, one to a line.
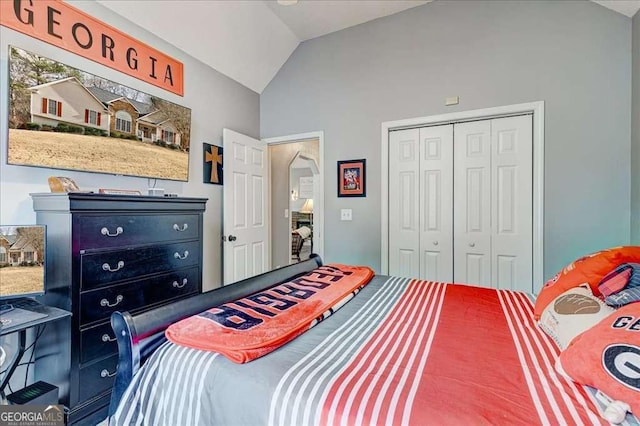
point(404, 223)
point(472, 203)
point(436, 203)
point(512, 206)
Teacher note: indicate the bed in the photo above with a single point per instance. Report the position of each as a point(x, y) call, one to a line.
point(402, 351)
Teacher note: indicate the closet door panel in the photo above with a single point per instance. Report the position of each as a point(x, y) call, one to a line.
point(404, 205)
point(472, 203)
point(512, 206)
point(436, 203)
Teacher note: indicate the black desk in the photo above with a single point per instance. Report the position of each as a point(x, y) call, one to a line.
point(52, 314)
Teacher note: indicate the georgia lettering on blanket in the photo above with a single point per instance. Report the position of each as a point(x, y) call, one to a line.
point(248, 328)
point(270, 304)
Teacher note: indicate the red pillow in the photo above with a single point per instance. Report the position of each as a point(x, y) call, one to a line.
point(588, 269)
point(615, 280)
point(607, 356)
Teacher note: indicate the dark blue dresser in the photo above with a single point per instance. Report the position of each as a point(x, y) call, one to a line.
point(107, 253)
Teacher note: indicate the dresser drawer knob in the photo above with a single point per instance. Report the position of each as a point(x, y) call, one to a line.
point(181, 257)
point(107, 267)
point(107, 338)
point(105, 302)
point(105, 231)
point(179, 229)
point(178, 285)
point(105, 373)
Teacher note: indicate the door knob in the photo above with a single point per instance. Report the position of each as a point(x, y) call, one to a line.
point(472, 244)
point(435, 243)
point(232, 238)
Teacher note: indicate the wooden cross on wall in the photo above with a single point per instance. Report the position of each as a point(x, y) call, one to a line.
point(212, 161)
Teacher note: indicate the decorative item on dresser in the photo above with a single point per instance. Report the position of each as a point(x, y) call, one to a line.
point(109, 252)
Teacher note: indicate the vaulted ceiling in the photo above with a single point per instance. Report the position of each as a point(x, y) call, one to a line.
point(250, 40)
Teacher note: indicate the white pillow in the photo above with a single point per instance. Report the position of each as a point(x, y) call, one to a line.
point(574, 311)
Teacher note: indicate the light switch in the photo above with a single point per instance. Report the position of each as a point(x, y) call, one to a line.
point(286, 213)
point(345, 214)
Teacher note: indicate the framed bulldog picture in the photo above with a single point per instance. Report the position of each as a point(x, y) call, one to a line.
point(352, 178)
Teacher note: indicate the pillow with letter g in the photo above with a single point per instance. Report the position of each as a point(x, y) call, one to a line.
point(588, 269)
point(607, 356)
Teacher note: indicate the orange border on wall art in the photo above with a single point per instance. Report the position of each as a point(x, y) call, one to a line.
point(62, 25)
point(356, 185)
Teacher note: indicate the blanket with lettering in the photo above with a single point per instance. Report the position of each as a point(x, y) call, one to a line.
point(251, 327)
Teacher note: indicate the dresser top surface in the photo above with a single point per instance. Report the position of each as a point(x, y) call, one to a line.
point(89, 201)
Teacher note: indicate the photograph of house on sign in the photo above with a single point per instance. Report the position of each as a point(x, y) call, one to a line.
point(56, 112)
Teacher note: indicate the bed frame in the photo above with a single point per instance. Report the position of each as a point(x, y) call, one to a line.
point(140, 335)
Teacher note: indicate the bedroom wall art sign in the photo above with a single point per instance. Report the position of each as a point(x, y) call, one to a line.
point(352, 178)
point(65, 118)
point(212, 165)
point(64, 26)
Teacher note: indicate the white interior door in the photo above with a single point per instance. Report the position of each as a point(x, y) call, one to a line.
point(472, 201)
point(404, 204)
point(245, 225)
point(436, 203)
point(493, 231)
point(512, 183)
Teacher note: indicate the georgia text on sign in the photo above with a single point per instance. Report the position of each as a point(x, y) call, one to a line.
point(62, 25)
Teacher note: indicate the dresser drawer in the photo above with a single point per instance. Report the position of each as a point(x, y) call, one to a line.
point(97, 378)
point(96, 305)
point(123, 230)
point(106, 267)
point(97, 342)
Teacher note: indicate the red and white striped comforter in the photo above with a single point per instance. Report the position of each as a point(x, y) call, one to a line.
point(401, 352)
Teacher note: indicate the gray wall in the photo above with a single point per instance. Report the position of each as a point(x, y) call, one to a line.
point(281, 156)
point(215, 101)
point(635, 135)
point(575, 56)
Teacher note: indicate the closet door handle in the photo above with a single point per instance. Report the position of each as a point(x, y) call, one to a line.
point(105, 231)
point(472, 244)
point(107, 267)
point(181, 257)
point(435, 243)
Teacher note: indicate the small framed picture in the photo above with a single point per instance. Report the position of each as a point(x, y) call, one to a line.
point(212, 171)
point(352, 178)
